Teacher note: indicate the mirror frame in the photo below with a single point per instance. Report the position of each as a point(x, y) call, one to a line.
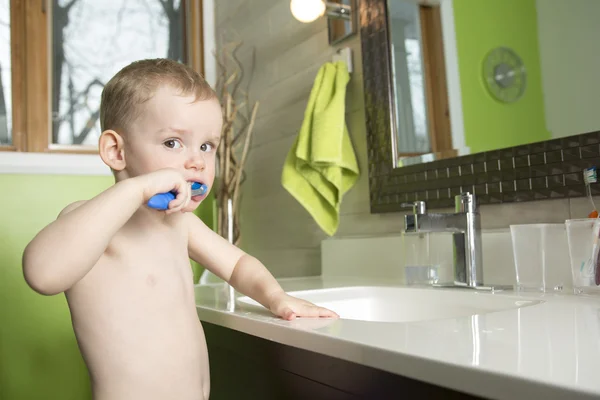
point(549, 169)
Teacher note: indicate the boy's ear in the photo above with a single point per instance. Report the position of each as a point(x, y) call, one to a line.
point(111, 148)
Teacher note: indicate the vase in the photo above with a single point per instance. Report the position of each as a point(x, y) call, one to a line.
point(227, 230)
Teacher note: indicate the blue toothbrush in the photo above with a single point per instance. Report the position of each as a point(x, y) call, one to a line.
point(161, 201)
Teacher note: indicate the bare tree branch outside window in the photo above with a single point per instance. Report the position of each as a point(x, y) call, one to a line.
point(5, 75)
point(92, 40)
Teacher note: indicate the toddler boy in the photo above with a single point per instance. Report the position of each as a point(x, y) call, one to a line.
point(123, 266)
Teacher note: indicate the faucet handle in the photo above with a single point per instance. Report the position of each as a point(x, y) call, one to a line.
point(465, 202)
point(418, 207)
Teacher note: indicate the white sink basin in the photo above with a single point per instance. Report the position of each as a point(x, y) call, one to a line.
point(403, 304)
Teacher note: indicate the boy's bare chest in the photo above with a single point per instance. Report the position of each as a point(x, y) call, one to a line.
point(150, 260)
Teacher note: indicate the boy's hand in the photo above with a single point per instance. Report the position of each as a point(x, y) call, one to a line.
point(289, 307)
point(167, 180)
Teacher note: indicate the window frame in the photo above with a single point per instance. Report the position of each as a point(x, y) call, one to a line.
point(30, 44)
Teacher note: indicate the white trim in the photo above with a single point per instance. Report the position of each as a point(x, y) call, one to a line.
point(210, 45)
point(52, 164)
point(457, 124)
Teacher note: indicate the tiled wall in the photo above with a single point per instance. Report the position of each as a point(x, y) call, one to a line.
point(287, 56)
point(387, 256)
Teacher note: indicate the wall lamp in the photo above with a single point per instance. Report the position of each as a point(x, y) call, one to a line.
point(341, 18)
point(309, 10)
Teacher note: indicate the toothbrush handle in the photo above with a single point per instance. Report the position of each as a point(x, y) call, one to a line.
point(161, 201)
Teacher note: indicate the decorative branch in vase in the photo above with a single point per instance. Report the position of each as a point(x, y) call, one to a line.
point(239, 117)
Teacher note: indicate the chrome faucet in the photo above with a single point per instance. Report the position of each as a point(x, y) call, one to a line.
point(465, 225)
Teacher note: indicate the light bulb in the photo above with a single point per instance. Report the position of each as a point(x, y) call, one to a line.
point(307, 10)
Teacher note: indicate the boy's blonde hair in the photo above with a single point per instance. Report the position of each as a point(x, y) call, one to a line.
point(135, 84)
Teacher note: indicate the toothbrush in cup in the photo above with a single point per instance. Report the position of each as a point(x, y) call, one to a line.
point(161, 201)
point(592, 267)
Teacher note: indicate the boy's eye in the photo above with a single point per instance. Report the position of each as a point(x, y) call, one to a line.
point(172, 144)
point(206, 147)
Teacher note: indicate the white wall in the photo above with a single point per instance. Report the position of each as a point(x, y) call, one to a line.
point(569, 40)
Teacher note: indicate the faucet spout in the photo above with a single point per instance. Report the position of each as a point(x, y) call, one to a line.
point(465, 226)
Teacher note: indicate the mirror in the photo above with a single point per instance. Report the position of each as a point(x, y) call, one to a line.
point(472, 76)
point(339, 27)
point(493, 97)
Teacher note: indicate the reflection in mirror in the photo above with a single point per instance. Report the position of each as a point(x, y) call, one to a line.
point(340, 29)
point(470, 76)
point(407, 76)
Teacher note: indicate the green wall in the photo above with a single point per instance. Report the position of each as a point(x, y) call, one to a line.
point(39, 357)
point(482, 25)
point(38, 350)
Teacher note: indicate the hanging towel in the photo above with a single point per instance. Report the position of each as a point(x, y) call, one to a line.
point(321, 165)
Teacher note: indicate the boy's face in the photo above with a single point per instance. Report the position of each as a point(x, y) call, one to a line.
point(175, 132)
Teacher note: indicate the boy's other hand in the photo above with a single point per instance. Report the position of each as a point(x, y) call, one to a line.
point(289, 307)
point(167, 180)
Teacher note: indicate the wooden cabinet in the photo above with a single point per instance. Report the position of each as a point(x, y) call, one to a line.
point(243, 366)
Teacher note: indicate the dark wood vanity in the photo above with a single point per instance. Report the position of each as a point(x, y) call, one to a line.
point(243, 366)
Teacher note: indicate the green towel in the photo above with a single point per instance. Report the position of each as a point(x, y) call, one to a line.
point(321, 165)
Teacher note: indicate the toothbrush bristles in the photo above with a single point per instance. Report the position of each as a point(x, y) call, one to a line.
point(590, 176)
point(200, 191)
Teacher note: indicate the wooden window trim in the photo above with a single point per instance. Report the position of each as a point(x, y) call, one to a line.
point(37, 76)
point(195, 35)
point(31, 74)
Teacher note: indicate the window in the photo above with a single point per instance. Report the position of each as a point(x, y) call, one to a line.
point(5, 79)
point(71, 48)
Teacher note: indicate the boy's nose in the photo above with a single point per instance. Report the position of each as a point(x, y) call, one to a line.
point(196, 161)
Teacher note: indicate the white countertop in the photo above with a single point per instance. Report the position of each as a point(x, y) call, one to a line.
point(549, 350)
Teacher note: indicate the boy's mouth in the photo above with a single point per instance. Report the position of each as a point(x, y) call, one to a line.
point(199, 190)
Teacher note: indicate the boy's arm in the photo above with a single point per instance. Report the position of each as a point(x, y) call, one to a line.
point(245, 273)
point(66, 250)
point(242, 271)
point(63, 252)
